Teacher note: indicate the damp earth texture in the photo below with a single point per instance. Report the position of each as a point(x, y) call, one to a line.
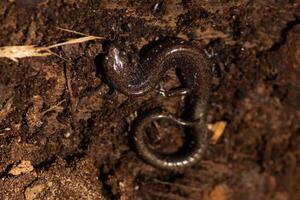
point(65, 132)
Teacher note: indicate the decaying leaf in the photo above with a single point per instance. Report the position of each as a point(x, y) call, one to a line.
point(217, 129)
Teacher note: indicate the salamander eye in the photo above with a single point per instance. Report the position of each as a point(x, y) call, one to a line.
point(112, 50)
point(116, 52)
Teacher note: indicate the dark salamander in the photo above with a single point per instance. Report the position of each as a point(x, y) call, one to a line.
point(133, 77)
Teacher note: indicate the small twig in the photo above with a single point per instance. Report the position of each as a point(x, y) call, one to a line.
point(6, 109)
point(184, 187)
point(69, 88)
point(53, 107)
point(167, 195)
point(59, 56)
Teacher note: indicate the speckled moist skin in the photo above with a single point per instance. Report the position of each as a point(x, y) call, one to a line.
point(137, 78)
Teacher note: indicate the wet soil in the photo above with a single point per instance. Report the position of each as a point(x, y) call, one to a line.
point(64, 131)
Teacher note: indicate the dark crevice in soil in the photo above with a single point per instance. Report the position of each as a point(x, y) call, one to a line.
point(260, 153)
point(106, 187)
point(284, 33)
point(5, 173)
point(82, 147)
point(28, 186)
point(45, 165)
point(71, 159)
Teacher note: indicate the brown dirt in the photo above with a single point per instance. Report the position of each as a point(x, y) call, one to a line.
point(79, 148)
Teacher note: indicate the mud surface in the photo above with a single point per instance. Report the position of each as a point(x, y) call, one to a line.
point(64, 132)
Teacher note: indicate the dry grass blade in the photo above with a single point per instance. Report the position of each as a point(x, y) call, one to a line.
point(75, 41)
point(72, 31)
point(16, 52)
